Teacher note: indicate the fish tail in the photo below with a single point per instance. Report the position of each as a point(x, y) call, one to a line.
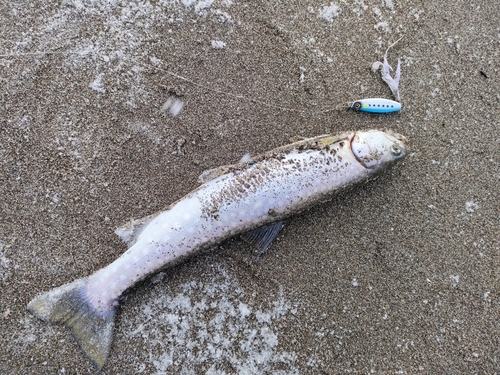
point(68, 305)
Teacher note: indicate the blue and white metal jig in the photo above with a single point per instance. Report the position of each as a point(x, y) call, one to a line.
point(376, 105)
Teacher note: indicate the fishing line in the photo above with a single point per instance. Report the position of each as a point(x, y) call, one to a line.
point(337, 108)
point(242, 97)
point(20, 54)
point(194, 83)
point(332, 109)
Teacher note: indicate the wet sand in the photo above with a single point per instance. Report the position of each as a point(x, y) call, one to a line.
point(400, 275)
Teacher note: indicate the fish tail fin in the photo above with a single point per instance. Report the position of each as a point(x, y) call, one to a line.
point(68, 305)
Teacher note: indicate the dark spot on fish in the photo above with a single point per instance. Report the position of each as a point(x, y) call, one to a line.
point(214, 213)
point(272, 212)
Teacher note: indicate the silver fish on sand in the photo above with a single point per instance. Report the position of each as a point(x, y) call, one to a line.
point(250, 198)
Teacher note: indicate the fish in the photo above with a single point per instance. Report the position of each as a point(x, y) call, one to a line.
point(251, 198)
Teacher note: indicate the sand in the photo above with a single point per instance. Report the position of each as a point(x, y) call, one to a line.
point(111, 112)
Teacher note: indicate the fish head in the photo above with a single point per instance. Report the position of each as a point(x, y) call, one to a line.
point(377, 149)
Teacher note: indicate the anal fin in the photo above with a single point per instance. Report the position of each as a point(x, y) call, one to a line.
point(262, 237)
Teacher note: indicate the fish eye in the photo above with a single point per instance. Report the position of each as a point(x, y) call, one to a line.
point(396, 150)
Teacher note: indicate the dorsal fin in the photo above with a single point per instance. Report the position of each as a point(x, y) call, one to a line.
point(245, 158)
point(296, 138)
point(212, 174)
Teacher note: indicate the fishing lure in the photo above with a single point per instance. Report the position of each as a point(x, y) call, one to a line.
point(375, 105)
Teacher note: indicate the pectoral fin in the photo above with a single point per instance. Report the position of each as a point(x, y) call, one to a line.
point(262, 237)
